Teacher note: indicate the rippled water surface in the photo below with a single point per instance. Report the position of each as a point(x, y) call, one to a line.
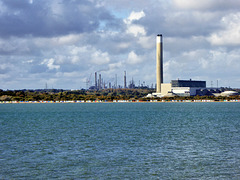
point(120, 141)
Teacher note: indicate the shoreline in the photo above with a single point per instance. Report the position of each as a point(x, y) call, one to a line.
point(114, 101)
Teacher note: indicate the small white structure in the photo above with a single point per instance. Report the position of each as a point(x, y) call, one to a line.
point(229, 93)
point(184, 91)
point(226, 93)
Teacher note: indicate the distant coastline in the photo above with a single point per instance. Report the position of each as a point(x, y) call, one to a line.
point(118, 101)
point(101, 96)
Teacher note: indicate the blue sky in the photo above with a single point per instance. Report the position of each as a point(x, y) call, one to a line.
point(64, 42)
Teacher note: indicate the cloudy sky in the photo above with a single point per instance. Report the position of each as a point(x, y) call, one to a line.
point(64, 42)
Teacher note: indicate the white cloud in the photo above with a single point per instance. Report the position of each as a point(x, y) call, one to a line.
point(58, 41)
point(30, 61)
point(193, 4)
point(224, 61)
point(70, 49)
point(100, 58)
point(50, 64)
point(147, 42)
point(3, 8)
point(133, 58)
point(68, 39)
point(75, 59)
point(123, 45)
point(114, 66)
point(136, 30)
point(132, 28)
point(230, 35)
point(204, 63)
point(206, 4)
point(134, 16)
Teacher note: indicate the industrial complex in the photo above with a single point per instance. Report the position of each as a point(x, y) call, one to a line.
point(174, 88)
point(100, 83)
point(180, 87)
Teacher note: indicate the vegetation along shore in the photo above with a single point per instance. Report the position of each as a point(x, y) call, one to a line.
point(107, 95)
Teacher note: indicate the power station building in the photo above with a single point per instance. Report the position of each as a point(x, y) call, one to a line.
point(187, 87)
point(188, 83)
point(176, 87)
point(181, 88)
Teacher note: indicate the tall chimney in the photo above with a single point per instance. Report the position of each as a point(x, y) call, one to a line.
point(159, 61)
point(125, 80)
point(96, 80)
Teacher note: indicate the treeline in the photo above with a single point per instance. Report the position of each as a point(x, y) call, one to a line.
point(107, 94)
point(55, 95)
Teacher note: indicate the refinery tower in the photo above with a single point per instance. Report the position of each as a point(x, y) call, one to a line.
point(159, 62)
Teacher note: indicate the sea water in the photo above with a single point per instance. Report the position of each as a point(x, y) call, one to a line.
point(120, 141)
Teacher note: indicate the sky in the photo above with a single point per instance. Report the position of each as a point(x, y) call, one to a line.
point(62, 43)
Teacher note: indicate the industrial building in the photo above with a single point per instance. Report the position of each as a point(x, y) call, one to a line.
point(188, 83)
point(186, 87)
point(181, 88)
